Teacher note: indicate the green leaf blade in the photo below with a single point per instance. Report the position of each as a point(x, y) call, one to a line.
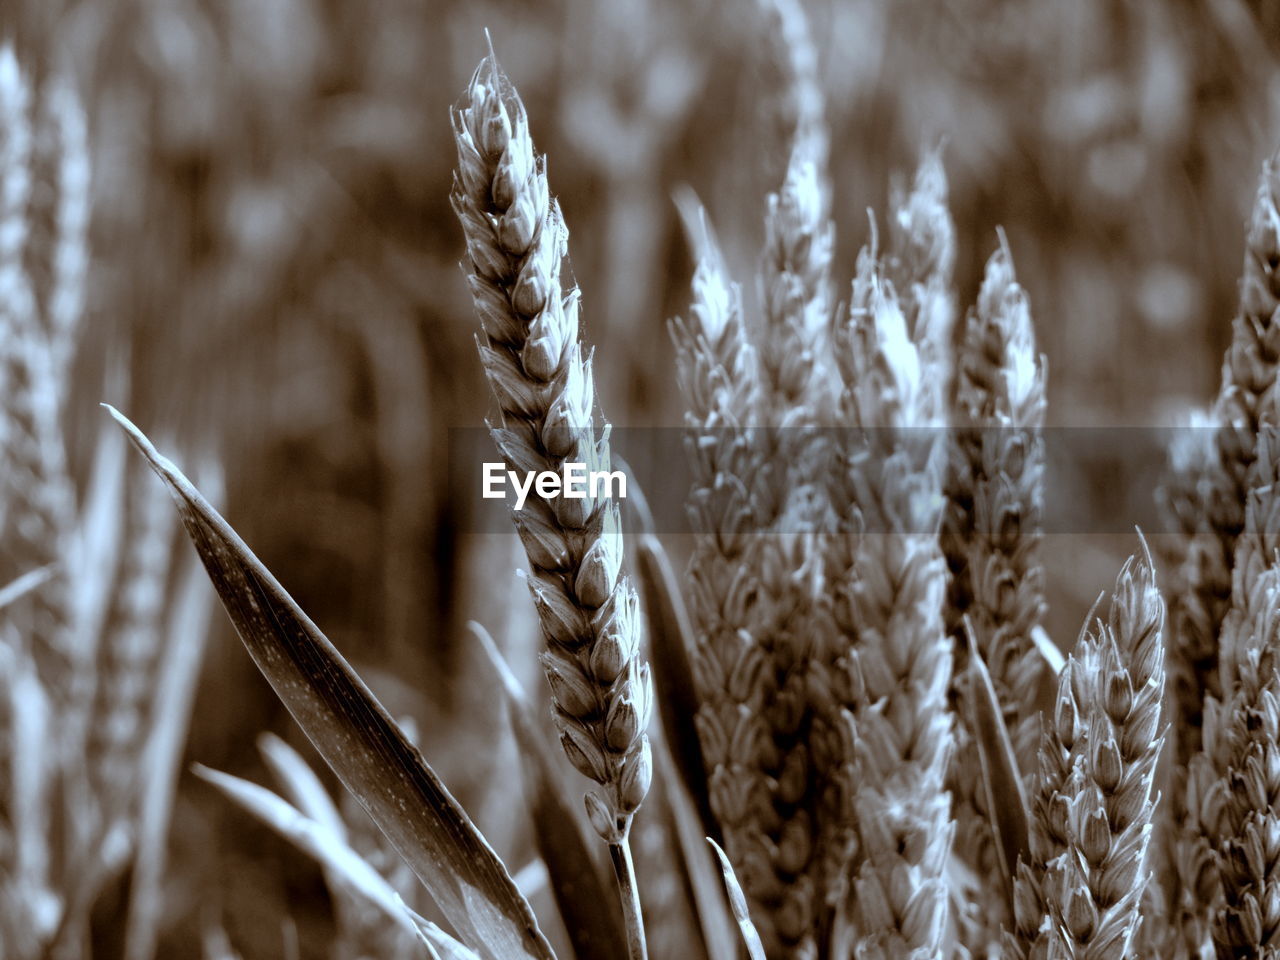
point(356, 736)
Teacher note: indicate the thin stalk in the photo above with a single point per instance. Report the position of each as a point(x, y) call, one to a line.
point(625, 872)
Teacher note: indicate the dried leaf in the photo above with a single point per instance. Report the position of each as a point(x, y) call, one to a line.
point(357, 737)
point(587, 902)
point(1047, 649)
point(738, 904)
point(1006, 802)
point(17, 589)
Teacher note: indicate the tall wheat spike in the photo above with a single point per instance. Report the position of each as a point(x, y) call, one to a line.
point(57, 250)
point(1205, 500)
point(1218, 495)
point(898, 667)
point(13, 190)
point(516, 242)
point(990, 537)
point(129, 653)
point(34, 487)
point(1230, 802)
point(787, 503)
point(1095, 803)
point(718, 377)
point(788, 25)
point(36, 505)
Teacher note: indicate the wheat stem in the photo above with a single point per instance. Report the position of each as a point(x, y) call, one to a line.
point(624, 872)
point(516, 242)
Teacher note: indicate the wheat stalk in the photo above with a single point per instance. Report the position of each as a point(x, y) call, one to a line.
point(516, 241)
point(57, 249)
point(1219, 493)
point(1205, 499)
point(718, 377)
point(129, 654)
point(1228, 786)
point(898, 665)
point(990, 538)
point(786, 502)
point(1095, 805)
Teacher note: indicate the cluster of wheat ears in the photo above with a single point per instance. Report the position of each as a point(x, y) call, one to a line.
point(849, 684)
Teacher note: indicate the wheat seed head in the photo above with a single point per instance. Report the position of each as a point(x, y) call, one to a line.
point(542, 381)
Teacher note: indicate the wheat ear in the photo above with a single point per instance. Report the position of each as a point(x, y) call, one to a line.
point(898, 665)
point(516, 241)
point(57, 260)
point(129, 654)
point(1096, 804)
point(991, 532)
point(718, 377)
point(35, 515)
point(1231, 787)
point(1245, 730)
point(1205, 499)
point(786, 507)
point(34, 486)
point(1220, 493)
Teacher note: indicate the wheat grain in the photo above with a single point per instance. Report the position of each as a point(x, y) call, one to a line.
point(990, 538)
point(34, 487)
point(1244, 733)
point(783, 562)
point(794, 276)
point(1205, 499)
point(899, 661)
point(516, 240)
point(718, 378)
point(128, 655)
point(1095, 803)
point(1225, 893)
point(790, 27)
point(1219, 493)
point(786, 503)
point(15, 149)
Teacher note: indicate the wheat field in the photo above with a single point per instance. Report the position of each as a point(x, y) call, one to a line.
point(916, 594)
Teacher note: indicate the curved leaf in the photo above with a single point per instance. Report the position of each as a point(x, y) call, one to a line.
point(357, 737)
point(1006, 801)
point(315, 839)
point(738, 904)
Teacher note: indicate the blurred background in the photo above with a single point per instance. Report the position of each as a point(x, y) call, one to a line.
point(274, 254)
